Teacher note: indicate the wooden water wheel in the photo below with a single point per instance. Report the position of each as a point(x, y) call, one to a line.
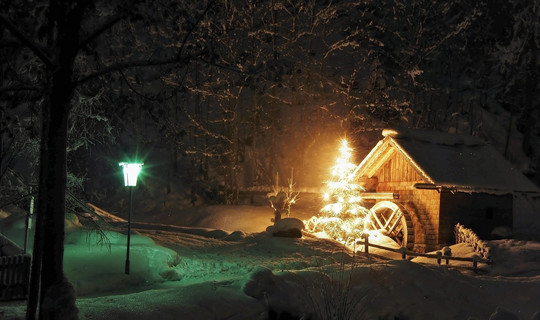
point(394, 221)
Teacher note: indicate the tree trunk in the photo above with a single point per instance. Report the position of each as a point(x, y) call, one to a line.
point(54, 287)
point(49, 289)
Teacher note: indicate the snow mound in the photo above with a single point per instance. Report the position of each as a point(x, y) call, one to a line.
point(260, 281)
point(288, 227)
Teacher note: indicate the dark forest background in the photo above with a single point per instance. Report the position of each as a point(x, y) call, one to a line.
point(222, 96)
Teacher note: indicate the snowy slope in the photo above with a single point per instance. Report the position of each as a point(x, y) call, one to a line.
point(196, 272)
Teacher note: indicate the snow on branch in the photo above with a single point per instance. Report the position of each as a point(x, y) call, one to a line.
point(40, 52)
point(20, 87)
point(178, 58)
point(98, 31)
point(132, 64)
point(203, 129)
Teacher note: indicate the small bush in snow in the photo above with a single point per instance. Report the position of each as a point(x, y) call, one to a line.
point(334, 297)
point(281, 201)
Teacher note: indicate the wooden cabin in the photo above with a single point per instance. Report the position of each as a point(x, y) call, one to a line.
point(440, 179)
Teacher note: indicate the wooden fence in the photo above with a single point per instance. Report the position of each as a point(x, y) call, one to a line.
point(14, 271)
point(466, 235)
point(445, 254)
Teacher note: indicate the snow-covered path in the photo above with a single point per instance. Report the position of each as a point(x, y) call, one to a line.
point(211, 273)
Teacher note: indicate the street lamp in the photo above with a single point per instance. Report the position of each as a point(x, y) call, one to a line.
point(131, 171)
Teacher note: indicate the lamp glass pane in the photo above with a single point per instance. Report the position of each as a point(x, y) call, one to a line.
point(131, 171)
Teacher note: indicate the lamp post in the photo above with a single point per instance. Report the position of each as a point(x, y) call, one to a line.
point(131, 171)
point(29, 217)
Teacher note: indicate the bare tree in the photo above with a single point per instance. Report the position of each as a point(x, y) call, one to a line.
point(67, 44)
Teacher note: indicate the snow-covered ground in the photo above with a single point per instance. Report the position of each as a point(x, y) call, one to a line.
point(219, 263)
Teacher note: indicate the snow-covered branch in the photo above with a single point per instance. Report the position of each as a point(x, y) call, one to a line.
point(19, 87)
point(101, 29)
point(117, 67)
point(203, 129)
point(36, 48)
point(132, 64)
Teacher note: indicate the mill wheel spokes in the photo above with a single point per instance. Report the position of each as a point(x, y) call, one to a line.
point(388, 217)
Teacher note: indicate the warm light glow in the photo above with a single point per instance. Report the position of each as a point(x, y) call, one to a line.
point(343, 218)
point(131, 171)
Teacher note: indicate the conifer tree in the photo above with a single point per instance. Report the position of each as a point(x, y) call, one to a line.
point(343, 217)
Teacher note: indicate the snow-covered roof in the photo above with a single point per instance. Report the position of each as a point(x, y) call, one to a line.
point(449, 160)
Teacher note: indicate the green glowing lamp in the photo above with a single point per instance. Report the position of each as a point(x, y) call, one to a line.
point(131, 171)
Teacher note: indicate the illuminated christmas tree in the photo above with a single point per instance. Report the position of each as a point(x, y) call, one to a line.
point(342, 192)
point(343, 216)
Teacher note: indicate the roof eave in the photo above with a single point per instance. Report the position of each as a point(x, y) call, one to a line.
point(471, 189)
point(411, 161)
point(378, 155)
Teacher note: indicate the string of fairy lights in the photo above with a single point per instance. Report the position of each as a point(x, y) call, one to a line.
point(343, 217)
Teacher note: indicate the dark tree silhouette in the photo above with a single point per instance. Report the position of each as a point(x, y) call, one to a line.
point(69, 40)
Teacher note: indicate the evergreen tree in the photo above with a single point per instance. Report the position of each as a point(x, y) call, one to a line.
point(343, 217)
